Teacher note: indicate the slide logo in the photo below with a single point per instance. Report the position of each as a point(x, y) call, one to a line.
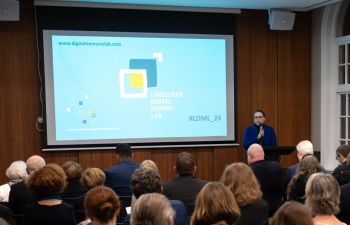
point(134, 82)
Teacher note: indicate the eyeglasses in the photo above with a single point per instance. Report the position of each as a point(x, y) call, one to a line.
point(258, 117)
point(337, 157)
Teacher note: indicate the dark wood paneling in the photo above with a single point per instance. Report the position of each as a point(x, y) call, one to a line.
point(273, 73)
point(294, 87)
point(256, 71)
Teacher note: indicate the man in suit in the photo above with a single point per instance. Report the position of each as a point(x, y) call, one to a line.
point(184, 186)
point(20, 196)
point(146, 180)
point(269, 174)
point(260, 133)
point(118, 176)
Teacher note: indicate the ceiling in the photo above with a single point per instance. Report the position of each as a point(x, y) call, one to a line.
point(295, 5)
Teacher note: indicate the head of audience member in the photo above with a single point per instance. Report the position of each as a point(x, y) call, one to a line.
point(123, 151)
point(149, 164)
point(34, 163)
point(304, 148)
point(102, 205)
point(342, 153)
point(240, 179)
point(4, 222)
point(72, 170)
point(259, 117)
point(17, 171)
point(47, 181)
point(322, 194)
point(309, 164)
point(145, 180)
point(92, 177)
point(292, 213)
point(255, 153)
point(152, 209)
point(184, 165)
point(215, 204)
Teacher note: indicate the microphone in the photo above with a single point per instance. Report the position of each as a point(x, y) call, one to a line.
point(261, 139)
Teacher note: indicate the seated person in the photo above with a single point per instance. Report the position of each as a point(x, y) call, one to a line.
point(102, 206)
point(241, 181)
point(269, 174)
point(49, 209)
point(118, 176)
point(146, 180)
point(296, 188)
point(16, 172)
point(342, 154)
point(292, 213)
point(152, 209)
point(215, 204)
point(74, 192)
point(185, 186)
point(322, 199)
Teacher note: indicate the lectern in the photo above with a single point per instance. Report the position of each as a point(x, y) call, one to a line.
point(273, 153)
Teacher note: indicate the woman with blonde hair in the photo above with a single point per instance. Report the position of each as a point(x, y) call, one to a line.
point(323, 198)
point(152, 209)
point(242, 182)
point(292, 213)
point(215, 205)
point(150, 164)
point(92, 177)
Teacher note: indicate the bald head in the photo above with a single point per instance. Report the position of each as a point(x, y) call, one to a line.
point(34, 163)
point(255, 153)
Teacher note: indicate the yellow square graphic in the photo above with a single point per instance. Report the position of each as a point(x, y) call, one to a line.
point(136, 80)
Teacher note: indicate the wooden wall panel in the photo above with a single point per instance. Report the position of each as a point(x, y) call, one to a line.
point(273, 73)
point(256, 70)
point(294, 87)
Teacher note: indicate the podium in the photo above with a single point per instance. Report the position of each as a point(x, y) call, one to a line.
point(273, 153)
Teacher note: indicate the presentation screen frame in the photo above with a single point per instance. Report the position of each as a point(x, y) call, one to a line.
point(52, 144)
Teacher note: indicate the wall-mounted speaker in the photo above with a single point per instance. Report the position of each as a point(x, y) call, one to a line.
point(281, 19)
point(9, 10)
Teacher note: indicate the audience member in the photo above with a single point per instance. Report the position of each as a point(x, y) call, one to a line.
point(150, 164)
point(16, 172)
point(74, 192)
point(145, 180)
point(322, 198)
point(215, 204)
point(269, 174)
point(93, 177)
point(303, 148)
point(152, 209)
point(6, 215)
point(20, 196)
point(102, 206)
point(344, 214)
point(292, 213)
point(240, 179)
point(346, 173)
point(296, 188)
point(49, 209)
point(184, 187)
point(342, 154)
point(118, 177)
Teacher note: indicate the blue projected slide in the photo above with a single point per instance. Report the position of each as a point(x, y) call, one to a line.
point(126, 87)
